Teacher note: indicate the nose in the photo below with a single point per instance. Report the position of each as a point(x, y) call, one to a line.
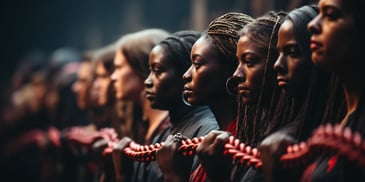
point(113, 76)
point(187, 75)
point(279, 65)
point(148, 81)
point(313, 26)
point(238, 74)
point(75, 86)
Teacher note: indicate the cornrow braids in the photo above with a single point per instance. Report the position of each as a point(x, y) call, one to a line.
point(256, 119)
point(179, 45)
point(224, 32)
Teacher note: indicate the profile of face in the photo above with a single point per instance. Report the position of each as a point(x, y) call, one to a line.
point(206, 77)
point(292, 66)
point(82, 85)
point(250, 70)
point(101, 85)
point(333, 35)
point(128, 85)
point(164, 84)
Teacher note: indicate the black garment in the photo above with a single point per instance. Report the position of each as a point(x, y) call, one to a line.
point(337, 168)
point(199, 121)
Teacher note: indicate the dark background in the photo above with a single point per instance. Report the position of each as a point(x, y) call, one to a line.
point(47, 25)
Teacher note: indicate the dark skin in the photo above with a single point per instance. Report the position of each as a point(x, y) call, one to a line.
point(250, 71)
point(292, 67)
point(206, 79)
point(163, 88)
point(336, 24)
point(205, 84)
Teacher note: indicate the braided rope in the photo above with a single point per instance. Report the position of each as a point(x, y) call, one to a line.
point(326, 139)
point(244, 154)
point(330, 140)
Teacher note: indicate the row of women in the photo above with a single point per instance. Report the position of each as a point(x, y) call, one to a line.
point(278, 97)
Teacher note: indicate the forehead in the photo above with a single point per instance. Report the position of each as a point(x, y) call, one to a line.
point(245, 44)
point(159, 55)
point(100, 67)
point(203, 46)
point(286, 31)
point(331, 2)
point(120, 58)
point(287, 26)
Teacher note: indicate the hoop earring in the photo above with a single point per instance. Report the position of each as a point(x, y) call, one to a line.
point(228, 89)
point(184, 100)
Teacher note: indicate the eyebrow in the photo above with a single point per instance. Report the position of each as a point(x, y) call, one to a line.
point(194, 56)
point(288, 45)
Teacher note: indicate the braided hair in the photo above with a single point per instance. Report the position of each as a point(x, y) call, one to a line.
point(253, 120)
point(224, 32)
point(323, 95)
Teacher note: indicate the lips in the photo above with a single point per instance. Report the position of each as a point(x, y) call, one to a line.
point(243, 90)
point(187, 91)
point(149, 95)
point(282, 81)
point(314, 45)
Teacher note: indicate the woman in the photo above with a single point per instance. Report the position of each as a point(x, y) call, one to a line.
point(259, 95)
point(337, 36)
point(130, 71)
point(213, 61)
point(101, 92)
point(168, 62)
point(307, 90)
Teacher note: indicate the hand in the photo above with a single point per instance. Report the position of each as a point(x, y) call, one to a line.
point(82, 136)
point(122, 165)
point(211, 155)
point(173, 165)
point(109, 134)
point(271, 148)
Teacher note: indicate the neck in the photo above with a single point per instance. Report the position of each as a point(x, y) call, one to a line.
point(178, 112)
point(224, 110)
point(153, 116)
point(354, 87)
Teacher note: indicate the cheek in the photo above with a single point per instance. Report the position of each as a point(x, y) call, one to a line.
point(255, 77)
point(208, 83)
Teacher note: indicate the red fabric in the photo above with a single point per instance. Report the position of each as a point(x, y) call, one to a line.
point(199, 174)
point(232, 127)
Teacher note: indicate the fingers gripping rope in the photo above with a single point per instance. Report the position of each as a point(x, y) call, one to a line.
point(240, 152)
point(326, 139)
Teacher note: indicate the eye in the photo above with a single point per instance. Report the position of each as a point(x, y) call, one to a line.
point(332, 13)
point(248, 60)
point(292, 51)
point(156, 71)
point(197, 64)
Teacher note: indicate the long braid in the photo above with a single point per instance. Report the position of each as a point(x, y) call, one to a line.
point(224, 32)
point(263, 32)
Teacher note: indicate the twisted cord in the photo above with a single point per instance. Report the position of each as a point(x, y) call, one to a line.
point(330, 140)
point(326, 139)
point(239, 151)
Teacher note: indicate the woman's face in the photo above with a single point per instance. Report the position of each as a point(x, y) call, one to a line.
point(292, 66)
point(82, 85)
point(250, 71)
point(206, 78)
point(333, 35)
point(128, 84)
point(100, 85)
point(164, 84)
